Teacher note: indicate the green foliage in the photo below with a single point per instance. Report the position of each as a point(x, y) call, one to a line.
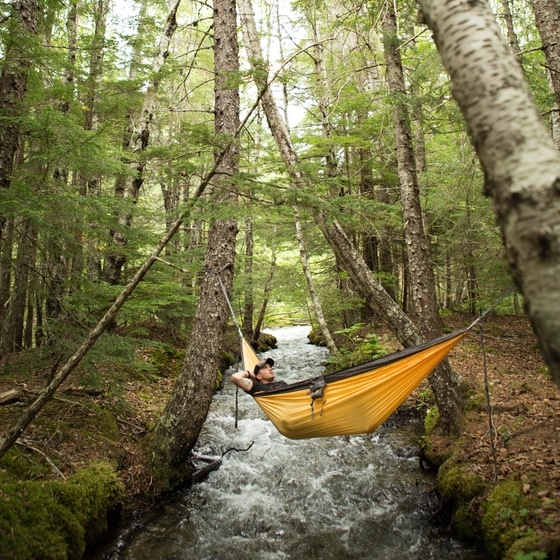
point(357, 346)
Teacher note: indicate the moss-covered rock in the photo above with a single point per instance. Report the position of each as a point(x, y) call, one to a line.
point(506, 515)
point(44, 520)
point(457, 484)
point(431, 419)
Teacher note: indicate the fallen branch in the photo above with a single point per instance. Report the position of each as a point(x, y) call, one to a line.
point(214, 463)
point(27, 446)
point(13, 395)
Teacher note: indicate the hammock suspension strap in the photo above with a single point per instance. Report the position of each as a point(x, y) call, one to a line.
point(316, 390)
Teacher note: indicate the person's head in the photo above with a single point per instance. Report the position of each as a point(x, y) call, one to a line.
point(263, 371)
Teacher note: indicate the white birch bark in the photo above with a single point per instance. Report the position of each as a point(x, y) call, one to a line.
point(520, 162)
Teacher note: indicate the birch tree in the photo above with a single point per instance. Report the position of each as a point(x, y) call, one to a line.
point(520, 162)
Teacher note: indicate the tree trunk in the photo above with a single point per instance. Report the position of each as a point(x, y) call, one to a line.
point(370, 288)
point(266, 292)
point(446, 385)
point(323, 327)
point(249, 306)
point(184, 415)
point(129, 186)
point(547, 19)
point(520, 162)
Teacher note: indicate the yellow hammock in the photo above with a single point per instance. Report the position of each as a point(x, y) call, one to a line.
point(355, 400)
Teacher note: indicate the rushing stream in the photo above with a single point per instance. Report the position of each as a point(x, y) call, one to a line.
point(273, 498)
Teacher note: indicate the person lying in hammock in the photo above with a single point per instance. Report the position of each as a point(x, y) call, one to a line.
point(259, 380)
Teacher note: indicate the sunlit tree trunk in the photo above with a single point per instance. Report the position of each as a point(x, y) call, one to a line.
point(184, 415)
point(520, 162)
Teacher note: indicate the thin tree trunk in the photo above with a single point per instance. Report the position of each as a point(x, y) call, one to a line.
point(184, 415)
point(520, 162)
point(129, 186)
point(249, 307)
point(512, 37)
point(323, 327)
point(547, 19)
point(266, 292)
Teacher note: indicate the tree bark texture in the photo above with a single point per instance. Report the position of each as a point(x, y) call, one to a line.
point(184, 415)
point(547, 19)
point(444, 382)
point(520, 162)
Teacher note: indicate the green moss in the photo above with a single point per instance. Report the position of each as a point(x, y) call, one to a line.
point(44, 520)
point(457, 484)
point(21, 464)
point(430, 422)
point(467, 524)
point(505, 517)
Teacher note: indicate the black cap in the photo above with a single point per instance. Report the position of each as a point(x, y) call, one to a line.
point(262, 363)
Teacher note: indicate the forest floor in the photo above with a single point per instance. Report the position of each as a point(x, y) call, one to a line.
point(520, 465)
point(75, 429)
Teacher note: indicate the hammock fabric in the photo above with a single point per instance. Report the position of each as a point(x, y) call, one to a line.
point(355, 400)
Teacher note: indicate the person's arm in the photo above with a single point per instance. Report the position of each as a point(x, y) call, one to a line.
point(243, 379)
